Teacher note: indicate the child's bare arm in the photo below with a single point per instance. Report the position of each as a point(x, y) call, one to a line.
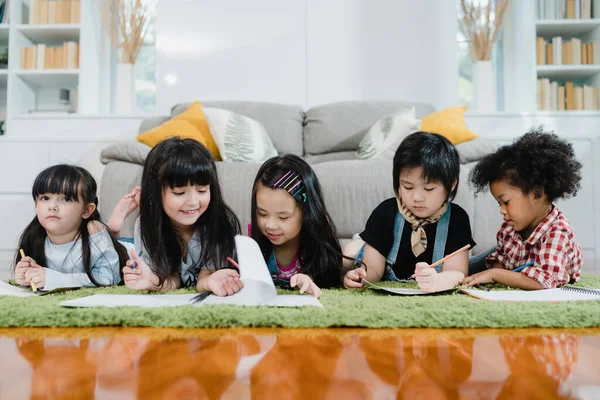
point(375, 266)
point(505, 277)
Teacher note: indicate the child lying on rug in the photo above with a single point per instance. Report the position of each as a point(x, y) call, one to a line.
point(66, 244)
point(185, 231)
point(536, 248)
point(292, 226)
point(420, 225)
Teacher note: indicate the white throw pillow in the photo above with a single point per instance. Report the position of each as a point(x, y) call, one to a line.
point(239, 138)
point(384, 137)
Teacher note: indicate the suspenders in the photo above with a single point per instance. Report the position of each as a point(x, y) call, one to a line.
point(441, 235)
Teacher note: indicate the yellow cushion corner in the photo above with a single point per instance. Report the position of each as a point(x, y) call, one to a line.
point(191, 123)
point(172, 127)
point(450, 123)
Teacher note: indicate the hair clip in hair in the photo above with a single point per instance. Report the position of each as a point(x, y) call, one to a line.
point(292, 183)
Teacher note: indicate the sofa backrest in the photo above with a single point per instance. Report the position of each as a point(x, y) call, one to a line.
point(339, 127)
point(283, 122)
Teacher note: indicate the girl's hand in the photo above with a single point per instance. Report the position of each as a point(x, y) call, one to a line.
point(480, 278)
point(353, 278)
point(224, 282)
point(306, 284)
point(21, 268)
point(139, 277)
point(36, 274)
point(426, 277)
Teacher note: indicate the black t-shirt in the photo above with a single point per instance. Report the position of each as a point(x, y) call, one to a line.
point(379, 234)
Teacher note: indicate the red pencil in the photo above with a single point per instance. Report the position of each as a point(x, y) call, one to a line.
point(232, 261)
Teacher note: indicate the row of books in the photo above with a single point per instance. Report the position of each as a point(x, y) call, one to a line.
point(45, 57)
point(4, 11)
point(54, 11)
point(558, 52)
point(553, 96)
point(564, 9)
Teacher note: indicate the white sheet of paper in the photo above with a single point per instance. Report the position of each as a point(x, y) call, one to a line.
point(547, 295)
point(258, 288)
point(6, 289)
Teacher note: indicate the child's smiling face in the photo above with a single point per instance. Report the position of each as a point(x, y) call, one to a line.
point(278, 216)
point(423, 198)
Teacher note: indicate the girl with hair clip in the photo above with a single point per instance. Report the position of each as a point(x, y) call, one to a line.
point(420, 225)
point(66, 244)
point(185, 231)
point(537, 248)
point(292, 226)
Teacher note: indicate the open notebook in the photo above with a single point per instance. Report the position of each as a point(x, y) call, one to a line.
point(6, 289)
point(400, 291)
point(566, 293)
point(258, 289)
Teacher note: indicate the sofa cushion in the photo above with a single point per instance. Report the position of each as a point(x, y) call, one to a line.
point(282, 122)
point(239, 138)
point(341, 126)
point(450, 123)
point(131, 151)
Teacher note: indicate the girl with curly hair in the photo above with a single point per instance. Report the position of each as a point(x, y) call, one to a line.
point(537, 248)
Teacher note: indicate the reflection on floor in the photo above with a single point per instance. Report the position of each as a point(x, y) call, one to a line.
point(129, 363)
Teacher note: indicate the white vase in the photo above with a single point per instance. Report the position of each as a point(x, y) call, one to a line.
point(484, 95)
point(124, 96)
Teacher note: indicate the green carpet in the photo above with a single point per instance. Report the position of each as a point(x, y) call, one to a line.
point(342, 308)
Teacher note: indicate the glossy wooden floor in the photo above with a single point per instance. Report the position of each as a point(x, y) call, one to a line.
point(145, 363)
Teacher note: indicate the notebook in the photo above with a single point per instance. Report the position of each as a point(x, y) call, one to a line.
point(258, 289)
point(6, 289)
point(566, 293)
point(400, 291)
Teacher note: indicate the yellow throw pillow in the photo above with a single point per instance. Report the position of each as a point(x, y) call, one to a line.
point(195, 118)
point(173, 127)
point(450, 123)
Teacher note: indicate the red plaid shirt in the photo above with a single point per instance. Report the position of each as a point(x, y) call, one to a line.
point(552, 248)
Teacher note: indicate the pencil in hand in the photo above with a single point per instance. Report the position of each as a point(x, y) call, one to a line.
point(33, 287)
point(441, 260)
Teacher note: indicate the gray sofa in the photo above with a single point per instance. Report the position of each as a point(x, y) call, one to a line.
point(327, 137)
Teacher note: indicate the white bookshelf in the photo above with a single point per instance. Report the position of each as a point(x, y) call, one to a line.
point(566, 72)
point(24, 90)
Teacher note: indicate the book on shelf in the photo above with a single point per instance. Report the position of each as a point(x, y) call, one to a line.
point(54, 11)
point(561, 52)
point(564, 9)
point(41, 56)
point(553, 96)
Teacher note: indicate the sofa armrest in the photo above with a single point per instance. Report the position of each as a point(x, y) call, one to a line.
point(132, 151)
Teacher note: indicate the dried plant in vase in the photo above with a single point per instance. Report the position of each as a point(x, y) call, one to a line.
point(126, 22)
point(480, 22)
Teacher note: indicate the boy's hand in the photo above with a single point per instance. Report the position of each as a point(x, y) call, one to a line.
point(426, 277)
point(306, 284)
point(36, 274)
point(353, 278)
point(224, 282)
point(139, 277)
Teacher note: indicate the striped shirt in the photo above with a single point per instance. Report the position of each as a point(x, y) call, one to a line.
point(552, 247)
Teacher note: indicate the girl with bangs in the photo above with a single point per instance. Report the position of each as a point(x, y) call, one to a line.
point(66, 244)
point(185, 231)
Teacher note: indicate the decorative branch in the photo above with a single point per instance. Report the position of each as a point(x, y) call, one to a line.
point(126, 23)
point(480, 24)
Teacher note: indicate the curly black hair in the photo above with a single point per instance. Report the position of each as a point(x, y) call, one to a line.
point(537, 161)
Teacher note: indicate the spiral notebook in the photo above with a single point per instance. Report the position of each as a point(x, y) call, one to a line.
point(566, 293)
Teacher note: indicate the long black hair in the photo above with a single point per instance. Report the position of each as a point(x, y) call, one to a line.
point(177, 162)
point(320, 253)
point(75, 183)
point(438, 157)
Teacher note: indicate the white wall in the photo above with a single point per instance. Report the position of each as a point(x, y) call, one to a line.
point(306, 52)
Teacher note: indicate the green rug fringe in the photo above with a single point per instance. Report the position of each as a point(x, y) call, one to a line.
point(342, 308)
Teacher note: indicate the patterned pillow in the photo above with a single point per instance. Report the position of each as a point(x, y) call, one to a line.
point(239, 138)
point(385, 135)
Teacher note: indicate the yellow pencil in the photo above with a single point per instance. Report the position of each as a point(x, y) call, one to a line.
point(33, 287)
point(441, 260)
